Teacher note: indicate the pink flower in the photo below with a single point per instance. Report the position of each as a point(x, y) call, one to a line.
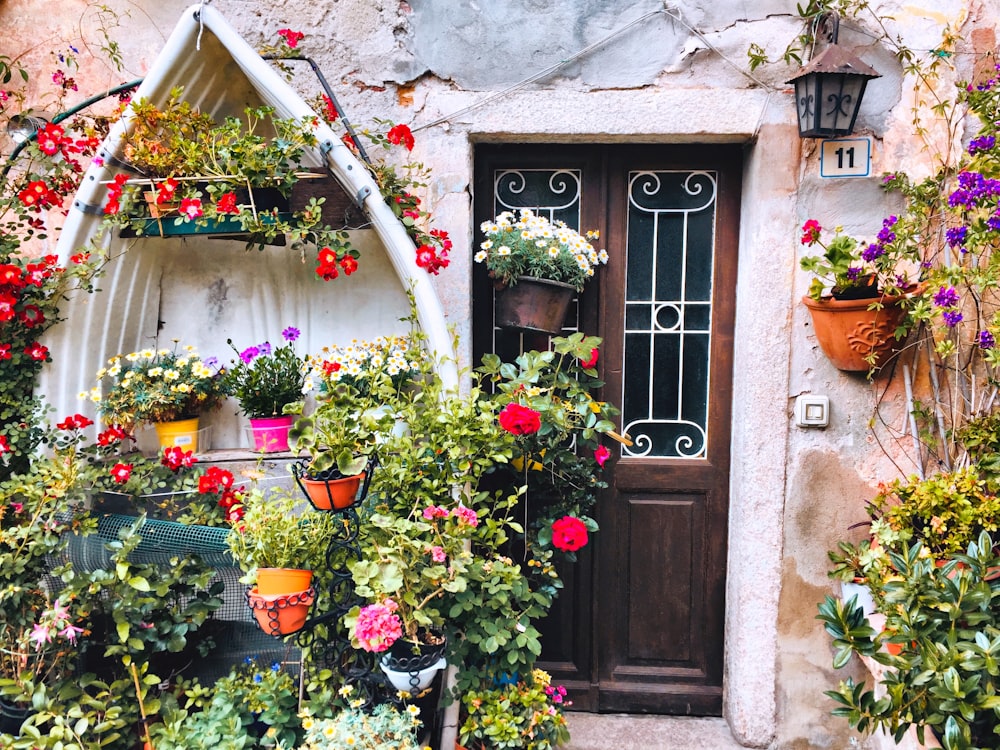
point(520, 420)
point(569, 534)
point(437, 554)
point(601, 455)
point(70, 632)
point(40, 635)
point(377, 626)
point(466, 515)
point(435, 511)
point(191, 207)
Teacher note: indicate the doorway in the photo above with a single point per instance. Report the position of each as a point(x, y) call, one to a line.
point(639, 626)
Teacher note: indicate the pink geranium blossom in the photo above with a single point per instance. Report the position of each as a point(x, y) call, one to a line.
point(378, 626)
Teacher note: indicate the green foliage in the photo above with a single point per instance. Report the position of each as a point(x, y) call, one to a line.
point(525, 714)
point(276, 531)
point(945, 676)
point(945, 511)
point(252, 703)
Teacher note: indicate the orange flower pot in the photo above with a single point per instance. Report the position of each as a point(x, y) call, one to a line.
point(332, 494)
point(848, 331)
point(272, 581)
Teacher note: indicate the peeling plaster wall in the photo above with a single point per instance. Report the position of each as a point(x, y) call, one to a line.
point(440, 65)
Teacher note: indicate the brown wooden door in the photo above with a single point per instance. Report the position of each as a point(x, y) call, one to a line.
point(639, 627)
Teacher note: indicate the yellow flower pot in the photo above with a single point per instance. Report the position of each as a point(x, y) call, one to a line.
point(182, 433)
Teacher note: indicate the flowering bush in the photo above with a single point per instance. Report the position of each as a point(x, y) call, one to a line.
point(267, 379)
point(363, 368)
point(407, 567)
point(156, 386)
point(531, 245)
point(548, 407)
point(852, 269)
point(524, 714)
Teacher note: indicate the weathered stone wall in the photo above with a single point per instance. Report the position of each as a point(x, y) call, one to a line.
point(449, 69)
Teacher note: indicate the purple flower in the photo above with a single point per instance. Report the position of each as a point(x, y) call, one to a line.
point(946, 296)
point(871, 252)
point(211, 361)
point(249, 354)
point(956, 236)
point(986, 340)
point(853, 273)
point(265, 349)
point(994, 221)
point(952, 317)
point(983, 143)
point(291, 333)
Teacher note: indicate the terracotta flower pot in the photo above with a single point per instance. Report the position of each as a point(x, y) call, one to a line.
point(280, 614)
point(332, 494)
point(848, 332)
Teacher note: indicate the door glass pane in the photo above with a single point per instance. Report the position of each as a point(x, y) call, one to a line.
point(668, 312)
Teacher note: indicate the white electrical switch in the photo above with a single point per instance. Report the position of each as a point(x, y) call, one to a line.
point(812, 411)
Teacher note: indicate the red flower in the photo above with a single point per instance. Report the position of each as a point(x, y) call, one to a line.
point(348, 264)
point(330, 367)
point(191, 207)
point(4, 351)
point(326, 256)
point(520, 420)
point(37, 352)
point(111, 435)
point(569, 534)
point(215, 480)
point(400, 134)
point(329, 110)
point(10, 275)
point(36, 273)
point(166, 191)
point(227, 204)
point(4, 445)
point(79, 258)
point(175, 457)
point(430, 260)
point(121, 472)
point(7, 302)
point(810, 232)
point(51, 138)
point(31, 316)
point(601, 455)
point(292, 38)
point(591, 360)
point(75, 422)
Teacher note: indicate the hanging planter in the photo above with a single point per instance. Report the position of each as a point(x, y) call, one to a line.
point(534, 305)
point(412, 667)
point(850, 334)
point(331, 490)
point(282, 580)
point(280, 614)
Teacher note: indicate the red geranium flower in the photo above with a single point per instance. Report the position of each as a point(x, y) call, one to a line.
point(400, 134)
point(520, 420)
point(227, 204)
point(810, 232)
point(349, 264)
point(121, 472)
point(569, 534)
point(37, 351)
point(292, 38)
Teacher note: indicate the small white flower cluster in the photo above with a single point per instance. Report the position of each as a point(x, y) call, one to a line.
point(394, 355)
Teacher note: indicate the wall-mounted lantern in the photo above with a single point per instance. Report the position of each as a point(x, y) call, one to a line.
point(828, 90)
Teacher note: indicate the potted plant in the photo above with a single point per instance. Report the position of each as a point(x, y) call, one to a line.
point(538, 265)
point(168, 388)
point(858, 295)
point(524, 713)
point(268, 382)
point(279, 545)
point(407, 568)
point(384, 726)
point(358, 385)
point(230, 177)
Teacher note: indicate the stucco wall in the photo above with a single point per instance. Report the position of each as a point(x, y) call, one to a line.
point(445, 66)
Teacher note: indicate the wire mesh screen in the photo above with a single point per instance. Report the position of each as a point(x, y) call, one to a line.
point(232, 627)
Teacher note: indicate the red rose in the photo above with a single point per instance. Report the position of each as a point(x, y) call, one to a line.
point(569, 534)
point(401, 135)
point(520, 420)
point(592, 359)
